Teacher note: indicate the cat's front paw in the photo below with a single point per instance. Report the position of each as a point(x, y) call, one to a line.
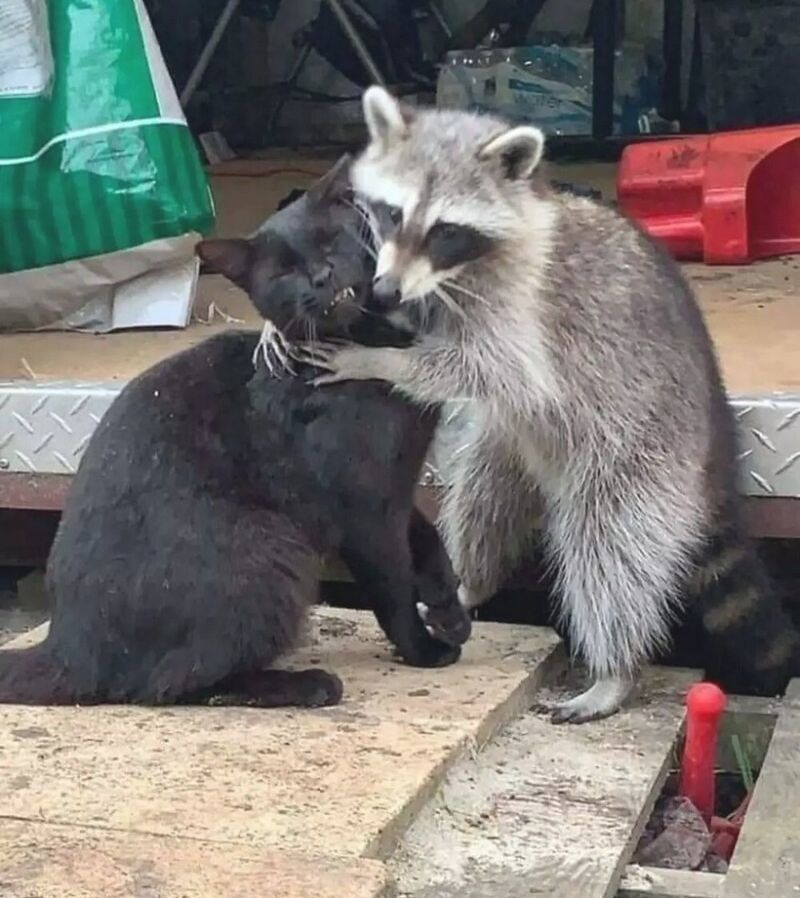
point(450, 624)
point(430, 653)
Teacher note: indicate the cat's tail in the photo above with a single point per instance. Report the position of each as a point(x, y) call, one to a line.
point(33, 676)
point(750, 636)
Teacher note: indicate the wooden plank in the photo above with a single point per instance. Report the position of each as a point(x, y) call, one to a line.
point(641, 882)
point(766, 863)
point(549, 811)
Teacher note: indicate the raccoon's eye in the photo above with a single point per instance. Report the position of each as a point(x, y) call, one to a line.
point(448, 244)
point(445, 232)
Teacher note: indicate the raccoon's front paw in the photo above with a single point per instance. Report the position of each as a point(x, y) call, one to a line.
point(450, 624)
point(346, 362)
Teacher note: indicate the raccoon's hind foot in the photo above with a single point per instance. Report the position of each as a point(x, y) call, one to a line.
point(450, 624)
point(602, 699)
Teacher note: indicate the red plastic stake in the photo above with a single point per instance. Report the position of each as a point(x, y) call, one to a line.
point(705, 705)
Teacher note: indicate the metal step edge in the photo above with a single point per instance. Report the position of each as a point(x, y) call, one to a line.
point(46, 425)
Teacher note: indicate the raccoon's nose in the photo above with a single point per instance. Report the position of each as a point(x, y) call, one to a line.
point(321, 276)
point(386, 291)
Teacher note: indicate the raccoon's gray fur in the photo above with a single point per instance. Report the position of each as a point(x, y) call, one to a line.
point(586, 363)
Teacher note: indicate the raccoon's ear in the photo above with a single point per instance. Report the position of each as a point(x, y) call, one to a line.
point(334, 183)
point(519, 150)
point(231, 258)
point(386, 119)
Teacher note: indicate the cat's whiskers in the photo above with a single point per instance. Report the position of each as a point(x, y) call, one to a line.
point(273, 343)
point(291, 323)
point(371, 227)
point(313, 336)
point(366, 247)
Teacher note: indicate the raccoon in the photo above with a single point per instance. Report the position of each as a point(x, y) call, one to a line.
point(585, 365)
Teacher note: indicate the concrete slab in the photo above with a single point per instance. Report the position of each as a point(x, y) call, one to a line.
point(340, 782)
point(548, 811)
point(46, 861)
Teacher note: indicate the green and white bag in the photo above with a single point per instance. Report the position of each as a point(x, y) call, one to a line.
point(102, 192)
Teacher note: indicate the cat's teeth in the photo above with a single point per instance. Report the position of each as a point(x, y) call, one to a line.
point(344, 293)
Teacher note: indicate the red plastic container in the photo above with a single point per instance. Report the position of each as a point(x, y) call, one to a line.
point(725, 199)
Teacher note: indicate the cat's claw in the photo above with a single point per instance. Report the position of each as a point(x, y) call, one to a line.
point(274, 349)
point(450, 624)
point(423, 611)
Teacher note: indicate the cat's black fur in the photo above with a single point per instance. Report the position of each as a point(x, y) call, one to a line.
point(192, 540)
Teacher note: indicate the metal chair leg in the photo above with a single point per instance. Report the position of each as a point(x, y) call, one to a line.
point(208, 52)
point(288, 86)
point(358, 45)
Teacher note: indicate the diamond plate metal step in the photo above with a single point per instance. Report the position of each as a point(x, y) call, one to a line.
point(46, 425)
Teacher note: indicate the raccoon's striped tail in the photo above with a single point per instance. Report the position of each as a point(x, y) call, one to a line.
point(753, 645)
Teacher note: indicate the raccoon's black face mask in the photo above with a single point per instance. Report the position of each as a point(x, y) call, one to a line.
point(456, 185)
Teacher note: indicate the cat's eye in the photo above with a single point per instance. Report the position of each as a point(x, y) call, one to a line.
point(395, 213)
point(323, 239)
point(344, 200)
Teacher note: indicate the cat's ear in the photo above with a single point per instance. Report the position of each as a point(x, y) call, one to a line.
point(335, 183)
point(518, 150)
point(387, 119)
point(231, 258)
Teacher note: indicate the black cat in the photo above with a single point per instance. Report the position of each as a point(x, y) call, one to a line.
point(192, 541)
